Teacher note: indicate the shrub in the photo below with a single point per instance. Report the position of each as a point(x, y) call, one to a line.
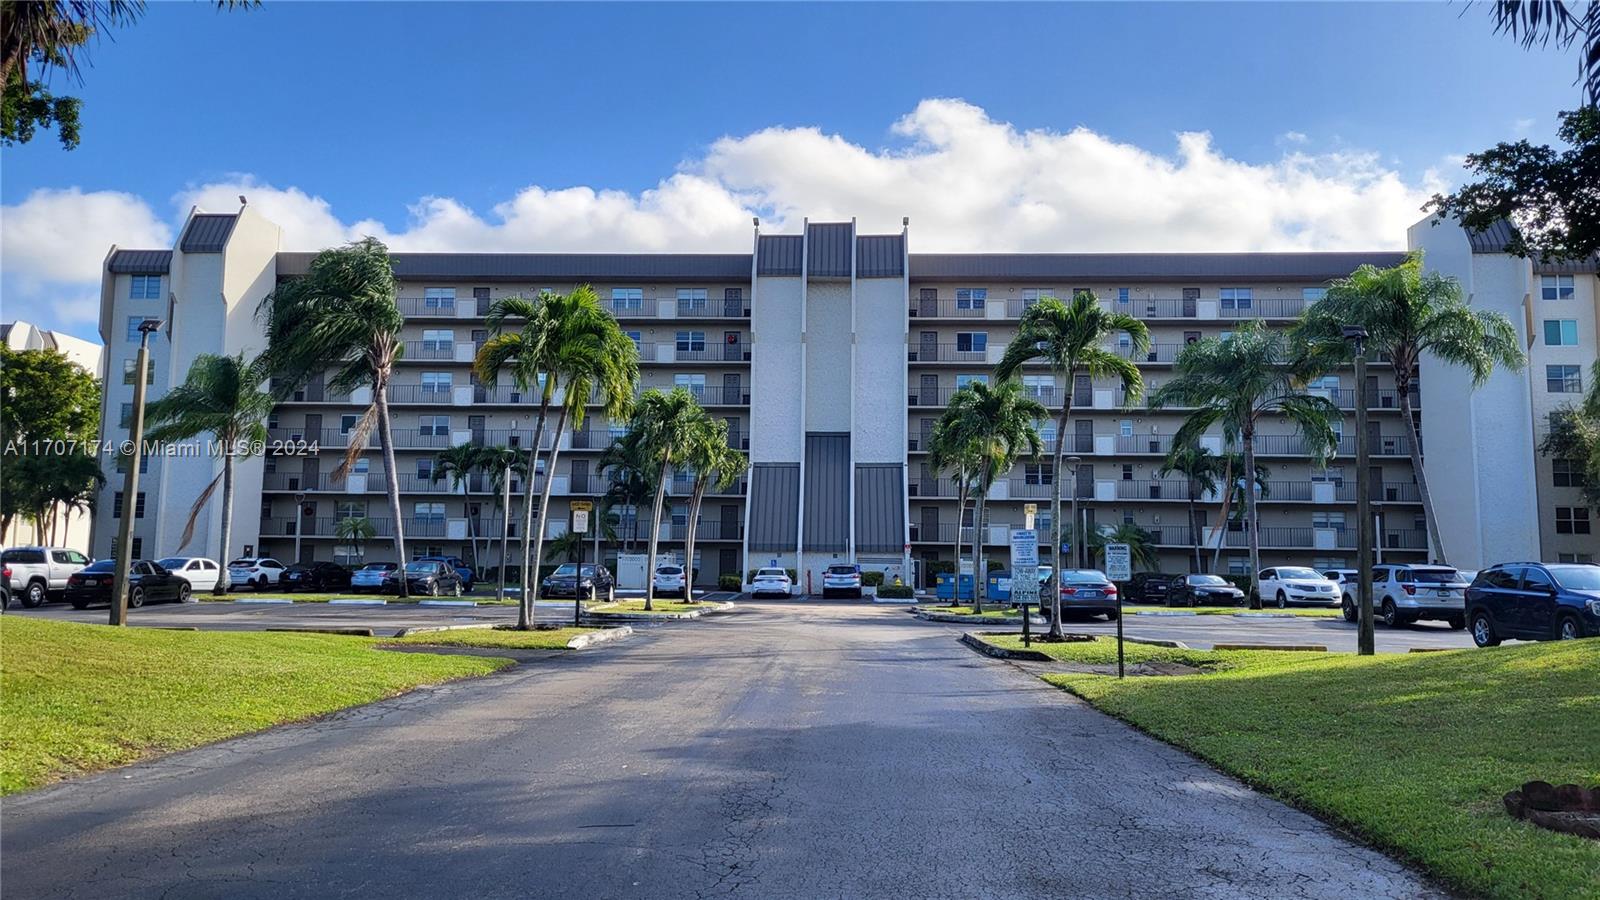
point(872, 579)
point(729, 582)
point(896, 592)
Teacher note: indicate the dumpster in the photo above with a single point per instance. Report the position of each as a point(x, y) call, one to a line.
point(945, 586)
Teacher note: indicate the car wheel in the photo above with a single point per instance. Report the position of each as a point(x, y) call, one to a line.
point(1483, 633)
point(1568, 629)
point(456, 590)
point(1111, 615)
point(1457, 622)
point(261, 584)
point(183, 593)
point(35, 595)
point(433, 589)
point(80, 604)
point(1391, 614)
point(135, 598)
point(1349, 607)
point(1283, 600)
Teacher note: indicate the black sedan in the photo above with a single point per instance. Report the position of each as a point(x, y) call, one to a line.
point(567, 581)
point(147, 582)
point(428, 578)
point(1203, 590)
point(316, 576)
point(1148, 587)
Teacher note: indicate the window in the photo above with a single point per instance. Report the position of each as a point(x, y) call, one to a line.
point(1580, 558)
point(1238, 565)
point(1124, 342)
point(1124, 295)
point(1030, 296)
point(424, 468)
point(127, 415)
point(1328, 562)
point(144, 463)
point(1046, 429)
point(1563, 379)
point(1038, 473)
point(362, 466)
point(351, 509)
point(437, 426)
point(428, 550)
point(439, 298)
point(972, 341)
point(1334, 520)
point(1331, 475)
point(432, 513)
point(1561, 332)
point(438, 339)
point(116, 505)
point(1039, 387)
point(692, 341)
point(1555, 287)
point(1127, 471)
point(695, 384)
point(692, 298)
point(1569, 519)
point(627, 299)
point(144, 287)
point(347, 422)
point(1125, 427)
point(964, 380)
point(1566, 472)
point(971, 298)
point(637, 338)
point(133, 328)
point(1532, 577)
point(1312, 295)
point(436, 382)
point(138, 547)
point(1236, 298)
point(127, 372)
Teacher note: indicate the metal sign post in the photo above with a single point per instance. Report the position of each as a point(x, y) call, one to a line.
point(1119, 567)
point(1025, 573)
point(580, 525)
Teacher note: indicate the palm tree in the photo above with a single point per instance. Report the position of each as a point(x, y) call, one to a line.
point(458, 463)
point(667, 424)
point(1408, 313)
point(354, 531)
point(568, 343)
point(949, 449)
point(998, 423)
point(499, 462)
point(1233, 479)
point(568, 546)
point(1200, 468)
point(1069, 338)
point(715, 464)
point(220, 396)
point(631, 476)
point(342, 315)
point(1233, 382)
point(1141, 544)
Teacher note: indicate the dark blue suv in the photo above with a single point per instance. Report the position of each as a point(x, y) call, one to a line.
point(1534, 602)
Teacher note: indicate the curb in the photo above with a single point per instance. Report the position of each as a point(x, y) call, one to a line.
point(1172, 613)
point(966, 619)
point(1262, 615)
point(987, 649)
point(352, 632)
point(1311, 648)
point(272, 602)
point(430, 629)
point(604, 636)
point(357, 602)
point(603, 616)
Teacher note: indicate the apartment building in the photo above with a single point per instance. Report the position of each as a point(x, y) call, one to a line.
point(828, 352)
point(1503, 499)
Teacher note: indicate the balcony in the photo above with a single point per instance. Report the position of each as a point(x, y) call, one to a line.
point(1158, 307)
point(948, 308)
point(1156, 489)
point(1157, 353)
point(437, 307)
point(666, 352)
point(1144, 443)
point(673, 307)
point(1263, 308)
point(953, 353)
point(327, 527)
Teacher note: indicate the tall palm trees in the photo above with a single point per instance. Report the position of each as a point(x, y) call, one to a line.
point(998, 424)
point(1408, 313)
point(572, 347)
point(220, 396)
point(631, 479)
point(1232, 382)
point(950, 449)
point(342, 315)
point(667, 425)
point(1069, 338)
point(501, 463)
point(1200, 468)
point(715, 464)
point(458, 463)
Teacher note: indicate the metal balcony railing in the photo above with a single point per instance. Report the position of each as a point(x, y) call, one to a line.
point(948, 308)
point(1157, 308)
point(925, 353)
point(1155, 489)
point(420, 307)
point(1262, 308)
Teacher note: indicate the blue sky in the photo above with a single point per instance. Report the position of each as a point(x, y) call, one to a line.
point(358, 111)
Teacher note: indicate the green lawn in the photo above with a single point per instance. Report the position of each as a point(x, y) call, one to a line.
point(79, 698)
point(1413, 752)
point(551, 639)
point(1001, 613)
point(660, 606)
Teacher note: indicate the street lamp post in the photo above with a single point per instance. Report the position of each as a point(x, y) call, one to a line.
point(299, 522)
point(1077, 527)
point(130, 479)
point(1365, 639)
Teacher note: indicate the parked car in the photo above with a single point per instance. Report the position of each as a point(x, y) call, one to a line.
point(468, 577)
point(428, 578)
point(1088, 592)
point(999, 587)
point(1287, 585)
point(201, 573)
point(147, 582)
point(1203, 590)
point(1533, 601)
point(670, 580)
point(1147, 587)
point(371, 577)
point(769, 582)
point(39, 574)
point(255, 571)
point(1345, 583)
point(841, 578)
point(5, 589)
point(568, 581)
point(316, 576)
point(1402, 594)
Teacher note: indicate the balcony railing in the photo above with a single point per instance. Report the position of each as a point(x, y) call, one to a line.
point(1144, 443)
point(922, 353)
point(651, 308)
point(1155, 489)
point(1263, 308)
point(948, 308)
point(434, 350)
point(417, 307)
point(327, 526)
point(1158, 307)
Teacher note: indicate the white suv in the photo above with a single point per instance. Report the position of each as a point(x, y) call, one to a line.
point(670, 580)
point(841, 578)
point(1405, 594)
point(257, 572)
point(1285, 585)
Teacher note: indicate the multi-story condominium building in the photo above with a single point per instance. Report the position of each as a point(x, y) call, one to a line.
point(1500, 498)
point(828, 352)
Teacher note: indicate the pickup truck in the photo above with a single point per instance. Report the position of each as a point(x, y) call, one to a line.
point(39, 574)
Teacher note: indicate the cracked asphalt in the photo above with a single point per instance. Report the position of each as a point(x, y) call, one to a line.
point(780, 751)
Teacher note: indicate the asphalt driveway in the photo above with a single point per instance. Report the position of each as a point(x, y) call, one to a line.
point(801, 751)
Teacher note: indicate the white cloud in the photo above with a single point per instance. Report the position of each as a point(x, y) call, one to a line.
point(968, 182)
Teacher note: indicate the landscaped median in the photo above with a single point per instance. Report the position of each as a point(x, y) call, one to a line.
point(505, 637)
point(1411, 752)
point(664, 609)
point(995, 616)
point(79, 698)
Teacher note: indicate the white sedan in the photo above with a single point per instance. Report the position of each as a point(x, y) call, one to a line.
point(201, 573)
point(771, 581)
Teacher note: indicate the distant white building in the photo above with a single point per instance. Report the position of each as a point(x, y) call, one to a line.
point(91, 356)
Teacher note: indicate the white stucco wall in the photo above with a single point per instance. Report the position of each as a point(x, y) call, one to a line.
point(775, 368)
point(879, 394)
point(827, 358)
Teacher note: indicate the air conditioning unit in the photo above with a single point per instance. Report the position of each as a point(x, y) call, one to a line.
point(911, 444)
point(911, 356)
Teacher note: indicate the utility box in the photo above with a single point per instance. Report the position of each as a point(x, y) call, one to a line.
point(630, 573)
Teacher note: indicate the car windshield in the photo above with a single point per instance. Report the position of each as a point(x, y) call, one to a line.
point(568, 569)
point(1083, 576)
point(1577, 578)
point(422, 566)
point(841, 570)
point(242, 563)
point(670, 570)
point(377, 567)
point(102, 565)
point(1293, 572)
point(772, 573)
point(1207, 579)
point(1436, 576)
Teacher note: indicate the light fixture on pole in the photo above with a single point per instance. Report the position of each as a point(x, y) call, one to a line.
point(1365, 639)
point(123, 557)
